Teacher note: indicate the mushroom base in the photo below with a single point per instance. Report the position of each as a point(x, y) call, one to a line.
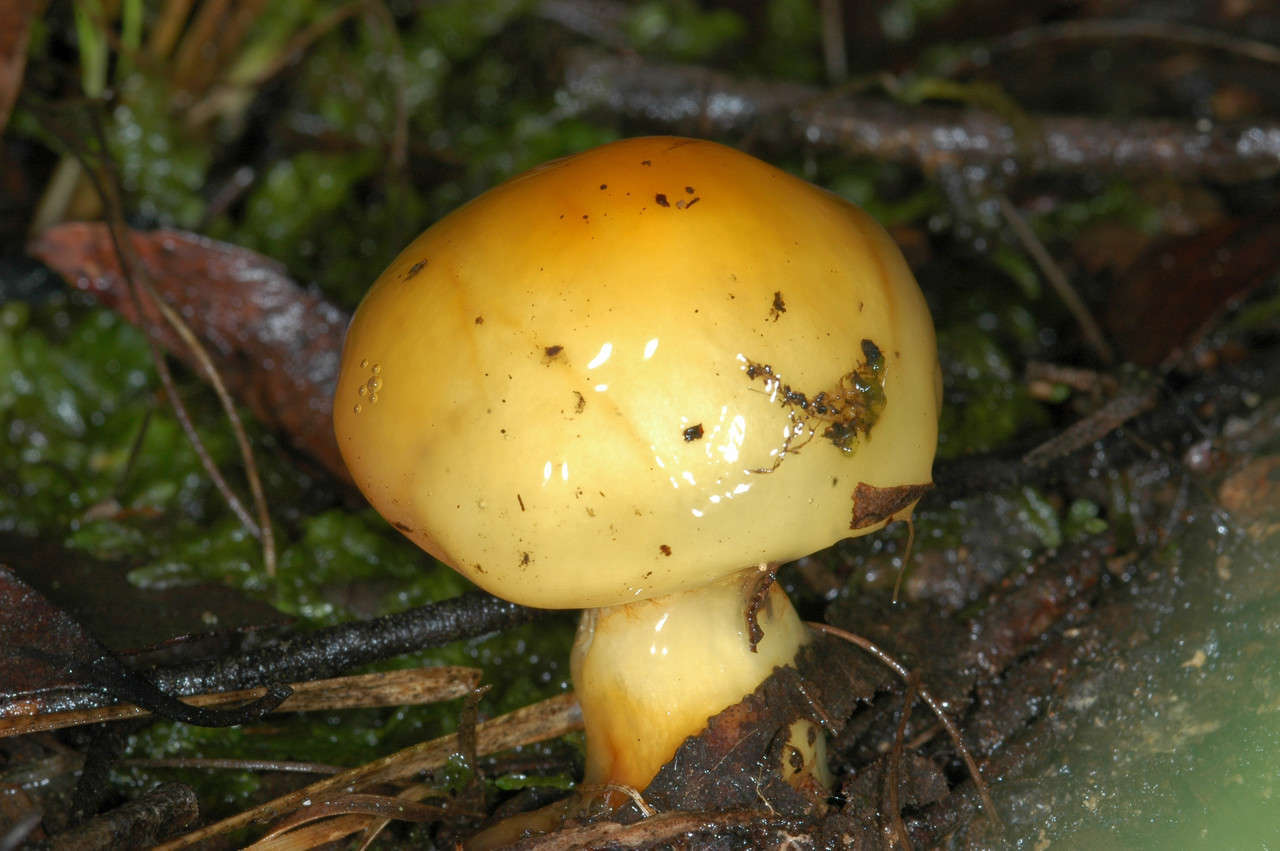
point(649, 674)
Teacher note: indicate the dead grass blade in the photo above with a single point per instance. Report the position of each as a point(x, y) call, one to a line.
point(389, 688)
point(547, 719)
point(382, 807)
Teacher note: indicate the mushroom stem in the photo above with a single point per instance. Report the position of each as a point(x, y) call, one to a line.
point(649, 674)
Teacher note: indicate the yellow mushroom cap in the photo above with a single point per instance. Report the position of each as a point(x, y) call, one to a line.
point(599, 382)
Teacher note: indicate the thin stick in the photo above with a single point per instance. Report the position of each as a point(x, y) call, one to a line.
point(21, 828)
point(925, 695)
point(906, 558)
point(1058, 280)
point(287, 766)
point(895, 762)
point(1094, 427)
point(129, 265)
point(265, 533)
point(317, 834)
point(188, 427)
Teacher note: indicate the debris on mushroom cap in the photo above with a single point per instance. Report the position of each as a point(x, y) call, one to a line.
point(658, 392)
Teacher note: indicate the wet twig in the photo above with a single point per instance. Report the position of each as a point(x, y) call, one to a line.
point(327, 652)
point(140, 823)
point(1168, 32)
point(1094, 427)
point(698, 101)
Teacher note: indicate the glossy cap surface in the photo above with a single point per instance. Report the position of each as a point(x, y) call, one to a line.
point(599, 382)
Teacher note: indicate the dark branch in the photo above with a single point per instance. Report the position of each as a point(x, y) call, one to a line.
point(697, 101)
point(325, 652)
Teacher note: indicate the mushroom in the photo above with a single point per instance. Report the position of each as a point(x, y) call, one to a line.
point(633, 381)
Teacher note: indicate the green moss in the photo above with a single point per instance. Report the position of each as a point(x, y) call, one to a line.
point(682, 30)
point(1037, 513)
point(985, 402)
point(339, 548)
point(72, 401)
point(863, 182)
point(899, 19)
point(307, 214)
point(790, 46)
point(1082, 520)
point(1260, 316)
point(224, 552)
point(162, 162)
point(1117, 201)
point(337, 217)
point(1019, 268)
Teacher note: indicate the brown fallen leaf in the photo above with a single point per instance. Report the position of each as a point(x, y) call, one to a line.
point(276, 345)
point(35, 638)
point(1177, 288)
